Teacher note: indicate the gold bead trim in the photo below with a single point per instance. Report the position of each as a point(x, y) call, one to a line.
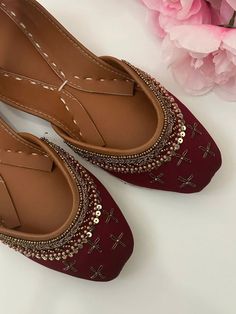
point(170, 140)
point(76, 235)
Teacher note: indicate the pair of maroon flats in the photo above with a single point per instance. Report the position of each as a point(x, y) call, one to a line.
point(114, 115)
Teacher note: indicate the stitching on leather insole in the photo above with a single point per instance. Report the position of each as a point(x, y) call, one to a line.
point(68, 109)
point(38, 47)
point(31, 38)
point(37, 112)
point(9, 151)
point(8, 130)
point(22, 78)
point(74, 43)
point(48, 87)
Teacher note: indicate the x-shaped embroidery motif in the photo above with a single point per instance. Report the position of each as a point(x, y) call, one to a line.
point(117, 241)
point(207, 151)
point(69, 266)
point(157, 178)
point(97, 273)
point(187, 182)
point(182, 158)
point(94, 246)
point(194, 129)
point(110, 216)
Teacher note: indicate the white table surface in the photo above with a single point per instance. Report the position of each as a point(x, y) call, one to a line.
point(184, 260)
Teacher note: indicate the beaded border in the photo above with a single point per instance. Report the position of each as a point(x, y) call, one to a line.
point(172, 136)
point(77, 234)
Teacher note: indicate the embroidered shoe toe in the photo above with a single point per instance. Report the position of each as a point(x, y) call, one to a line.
point(108, 247)
point(60, 216)
point(110, 112)
point(191, 168)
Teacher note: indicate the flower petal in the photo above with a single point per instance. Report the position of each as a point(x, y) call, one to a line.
point(229, 40)
point(232, 3)
point(189, 8)
point(196, 81)
point(197, 38)
point(154, 21)
point(226, 12)
point(170, 53)
point(153, 4)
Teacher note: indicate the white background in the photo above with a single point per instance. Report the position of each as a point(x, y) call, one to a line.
point(184, 260)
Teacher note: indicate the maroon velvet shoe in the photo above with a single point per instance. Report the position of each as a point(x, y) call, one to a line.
point(109, 112)
point(188, 169)
point(107, 243)
point(183, 159)
point(57, 213)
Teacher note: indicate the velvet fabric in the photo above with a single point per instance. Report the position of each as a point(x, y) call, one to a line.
point(193, 166)
point(103, 257)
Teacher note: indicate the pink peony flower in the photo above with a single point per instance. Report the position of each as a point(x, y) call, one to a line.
point(203, 64)
point(168, 13)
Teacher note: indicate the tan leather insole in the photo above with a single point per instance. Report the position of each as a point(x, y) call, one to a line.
point(115, 121)
point(32, 187)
